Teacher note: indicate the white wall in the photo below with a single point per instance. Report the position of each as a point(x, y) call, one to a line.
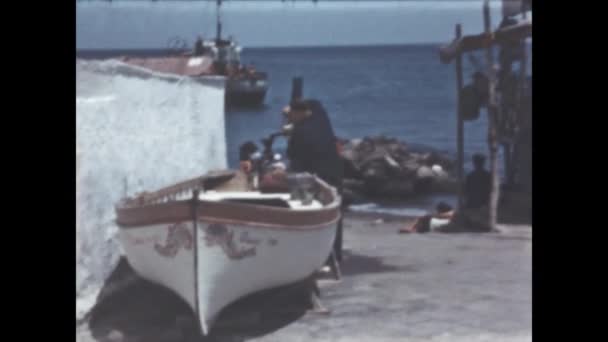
point(146, 130)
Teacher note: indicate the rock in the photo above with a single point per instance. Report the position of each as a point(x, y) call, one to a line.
point(424, 172)
point(350, 171)
point(352, 144)
point(389, 168)
point(350, 196)
point(445, 185)
point(391, 162)
point(349, 155)
point(353, 184)
point(441, 159)
point(410, 166)
point(392, 189)
point(375, 170)
point(439, 173)
point(365, 146)
point(369, 157)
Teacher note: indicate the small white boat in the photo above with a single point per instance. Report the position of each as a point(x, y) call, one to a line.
point(212, 242)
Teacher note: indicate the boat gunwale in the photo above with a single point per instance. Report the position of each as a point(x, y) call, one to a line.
point(146, 214)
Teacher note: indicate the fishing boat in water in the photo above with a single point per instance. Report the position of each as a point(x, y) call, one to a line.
point(245, 86)
point(212, 240)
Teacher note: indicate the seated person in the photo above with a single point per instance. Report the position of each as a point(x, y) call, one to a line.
point(475, 215)
point(246, 152)
point(478, 184)
point(429, 223)
point(273, 177)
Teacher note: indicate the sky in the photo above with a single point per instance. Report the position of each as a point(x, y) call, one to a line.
point(141, 25)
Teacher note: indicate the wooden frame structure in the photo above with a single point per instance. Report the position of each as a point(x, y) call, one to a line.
point(486, 41)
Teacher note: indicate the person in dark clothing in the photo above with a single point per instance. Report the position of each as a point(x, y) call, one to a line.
point(428, 223)
point(478, 184)
point(199, 49)
point(473, 217)
point(246, 152)
point(312, 144)
point(313, 148)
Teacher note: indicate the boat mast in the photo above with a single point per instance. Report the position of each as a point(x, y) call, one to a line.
point(219, 23)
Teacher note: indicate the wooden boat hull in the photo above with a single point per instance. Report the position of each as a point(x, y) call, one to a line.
point(213, 253)
point(233, 260)
point(247, 92)
point(238, 98)
point(242, 90)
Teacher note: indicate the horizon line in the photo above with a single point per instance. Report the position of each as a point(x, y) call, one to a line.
point(282, 46)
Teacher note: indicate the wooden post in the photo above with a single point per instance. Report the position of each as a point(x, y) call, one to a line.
point(296, 88)
point(523, 62)
point(515, 155)
point(195, 213)
point(507, 152)
point(460, 124)
point(492, 120)
point(218, 21)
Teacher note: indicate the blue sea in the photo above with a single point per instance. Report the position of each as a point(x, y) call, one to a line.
point(397, 91)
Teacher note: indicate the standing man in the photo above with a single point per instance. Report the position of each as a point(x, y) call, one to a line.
point(313, 148)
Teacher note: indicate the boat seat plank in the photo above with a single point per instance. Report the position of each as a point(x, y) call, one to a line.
point(236, 183)
point(252, 196)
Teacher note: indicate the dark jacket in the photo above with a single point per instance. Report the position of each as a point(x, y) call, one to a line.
point(477, 189)
point(312, 147)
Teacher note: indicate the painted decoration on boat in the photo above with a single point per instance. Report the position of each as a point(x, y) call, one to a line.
point(219, 234)
point(178, 236)
point(246, 239)
point(148, 240)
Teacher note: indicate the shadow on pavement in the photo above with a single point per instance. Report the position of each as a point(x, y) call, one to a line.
point(354, 264)
point(143, 311)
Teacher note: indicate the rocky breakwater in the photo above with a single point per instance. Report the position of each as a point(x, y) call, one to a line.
point(382, 167)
